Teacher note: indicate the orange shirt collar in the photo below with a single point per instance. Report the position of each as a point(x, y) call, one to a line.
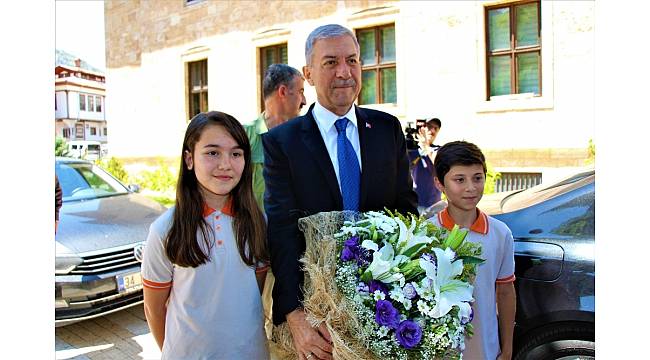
point(480, 226)
point(226, 209)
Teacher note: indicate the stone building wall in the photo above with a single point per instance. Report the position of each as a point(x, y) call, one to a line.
point(440, 49)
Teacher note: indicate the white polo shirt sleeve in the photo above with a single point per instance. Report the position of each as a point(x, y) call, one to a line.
point(506, 272)
point(157, 269)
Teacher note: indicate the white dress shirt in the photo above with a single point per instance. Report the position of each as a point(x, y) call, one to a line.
point(325, 120)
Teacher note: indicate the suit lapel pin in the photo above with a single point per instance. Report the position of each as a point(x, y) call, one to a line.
point(368, 126)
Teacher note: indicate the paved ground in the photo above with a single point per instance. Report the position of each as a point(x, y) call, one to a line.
point(123, 335)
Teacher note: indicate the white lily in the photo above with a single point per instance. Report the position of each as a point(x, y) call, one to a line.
point(370, 245)
point(448, 291)
point(383, 264)
point(407, 240)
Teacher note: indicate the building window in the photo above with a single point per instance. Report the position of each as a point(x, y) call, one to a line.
point(378, 65)
point(82, 102)
point(98, 104)
point(105, 131)
point(513, 48)
point(91, 103)
point(66, 133)
point(93, 131)
point(276, 54)
point(198, 87)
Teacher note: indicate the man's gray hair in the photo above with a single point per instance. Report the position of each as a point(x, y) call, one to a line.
point(276, 75)
point(326, 32)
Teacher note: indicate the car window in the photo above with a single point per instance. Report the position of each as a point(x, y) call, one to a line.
point(583, 223)
point(570, 214)
point(543, 192)
point(81, 181)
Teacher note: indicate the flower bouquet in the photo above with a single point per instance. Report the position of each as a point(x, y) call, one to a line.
point(387, 286)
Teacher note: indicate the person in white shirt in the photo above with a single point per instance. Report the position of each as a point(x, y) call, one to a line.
point(206, 258)
point(460, 175)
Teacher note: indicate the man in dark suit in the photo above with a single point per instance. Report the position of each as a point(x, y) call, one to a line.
point(336, 157)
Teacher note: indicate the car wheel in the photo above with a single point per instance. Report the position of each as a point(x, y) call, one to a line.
point(566, 342)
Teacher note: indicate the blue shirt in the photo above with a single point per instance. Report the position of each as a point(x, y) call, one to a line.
point(423, 174)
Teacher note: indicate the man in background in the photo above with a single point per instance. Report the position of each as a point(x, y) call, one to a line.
point(422, 164)
point(283, 92)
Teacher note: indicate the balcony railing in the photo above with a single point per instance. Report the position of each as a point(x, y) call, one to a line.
point(517, 181)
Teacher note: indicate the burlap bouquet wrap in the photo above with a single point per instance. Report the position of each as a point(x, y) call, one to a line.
point(323, 302)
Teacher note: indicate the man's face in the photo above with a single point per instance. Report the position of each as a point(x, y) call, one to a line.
point(335, 71)
point(295, 98)
point(433, 130)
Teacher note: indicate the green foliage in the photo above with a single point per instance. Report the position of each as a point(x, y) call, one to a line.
point(161, 179)
point(115, 168)
point(60, 147)
point(165, 201)
point(591, 148)
point(491, 179)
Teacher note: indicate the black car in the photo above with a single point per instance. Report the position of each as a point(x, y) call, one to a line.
point(99, 242)
point(553, 226)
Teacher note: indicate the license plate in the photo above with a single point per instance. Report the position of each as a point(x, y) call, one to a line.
point(129, 282)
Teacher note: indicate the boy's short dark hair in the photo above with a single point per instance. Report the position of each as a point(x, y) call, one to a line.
point(434, 121)
point(457, 153)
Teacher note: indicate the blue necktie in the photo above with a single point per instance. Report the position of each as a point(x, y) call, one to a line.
point(349, 171)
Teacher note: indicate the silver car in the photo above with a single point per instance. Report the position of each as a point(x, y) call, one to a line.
point(99, 243)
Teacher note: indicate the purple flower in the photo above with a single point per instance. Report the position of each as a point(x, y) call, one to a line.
point(350, 249)
point(351, 242)
point(465, 320)
point(362, 288)
point(408, 334)
point(387, 315)
point(409, 291)
point(347, 254)
point(377, 285)
point(363, 257)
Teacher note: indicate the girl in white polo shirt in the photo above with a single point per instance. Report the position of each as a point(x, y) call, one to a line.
point(205, 260)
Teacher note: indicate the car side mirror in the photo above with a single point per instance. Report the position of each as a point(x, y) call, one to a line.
point(134, 188)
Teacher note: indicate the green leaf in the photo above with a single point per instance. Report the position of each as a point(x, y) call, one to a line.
point(414, 249)
point(366, 277)
point(469, 260)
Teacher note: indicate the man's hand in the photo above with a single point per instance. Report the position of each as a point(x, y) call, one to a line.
point(310, 343)
point(423, 137)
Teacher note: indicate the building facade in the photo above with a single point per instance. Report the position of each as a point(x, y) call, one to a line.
point(514, 77)
point(80, 105)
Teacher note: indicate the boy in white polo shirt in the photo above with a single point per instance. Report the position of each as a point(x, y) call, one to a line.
point(460, 175)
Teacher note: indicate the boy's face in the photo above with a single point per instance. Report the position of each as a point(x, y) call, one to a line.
point(463, 185)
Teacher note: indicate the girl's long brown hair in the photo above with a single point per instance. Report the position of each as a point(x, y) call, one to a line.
point(249, 226)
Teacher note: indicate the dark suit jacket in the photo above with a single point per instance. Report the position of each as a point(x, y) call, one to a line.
point(300, 181)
